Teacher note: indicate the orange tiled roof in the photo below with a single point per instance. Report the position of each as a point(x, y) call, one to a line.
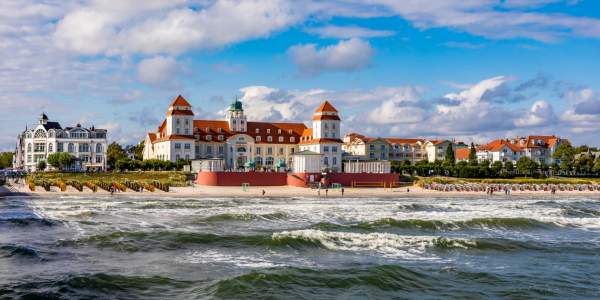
point(296, 130)
point(435, 142)
point(179, 102)
point(307, 132)
point(162, 128)
point(326, 117)
point(462, 153)
point(316, 141)
point(354, 134)
point(175, 137)
point(499, 144)
point(180, 112)
point(152, 136)
point(404, 141)
point(326, 106)
point(549, 141)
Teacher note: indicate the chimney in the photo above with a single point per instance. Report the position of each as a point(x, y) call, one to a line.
point(92, 127)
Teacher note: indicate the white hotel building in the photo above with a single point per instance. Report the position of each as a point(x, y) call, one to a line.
point(88, 146)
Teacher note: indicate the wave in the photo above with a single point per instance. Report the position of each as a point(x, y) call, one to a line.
point(568, 210)
point(20, 251)
point(247, 217)
point(443, 225)
point(23, 222)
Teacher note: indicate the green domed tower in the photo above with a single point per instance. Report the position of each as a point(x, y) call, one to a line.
point(237, 120)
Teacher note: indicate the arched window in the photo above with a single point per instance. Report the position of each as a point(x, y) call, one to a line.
point(326, 135)
point(178, 131)
point(258, 138)
point(84, 148)
point(333, 126)
point(98, 147)
point(51, 134)
point(28, 147)
point(335, 161)
point(187, 157)
point(326, 162)
point(50, 148)
point(270, 161)
point(333, 134)
point(187, 131)
point(258, 160)
point(241, 149)
point(29, 135)
point(71, 148)
point(177, 121)
point(186, 121)
point(291, 160)
point(281, 139)
point(256, 130)
point(177, 157)
point(220, 138)
point(292, 139)
point(40, 133)
point(269, 139)
point(326, 126)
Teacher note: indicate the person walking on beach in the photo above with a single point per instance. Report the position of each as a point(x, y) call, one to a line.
point(408, 190)
point(263, 193)
point(319, 192)
point(342, 191)
point(326, 190)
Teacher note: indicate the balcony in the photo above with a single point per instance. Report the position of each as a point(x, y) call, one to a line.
point(39, 151)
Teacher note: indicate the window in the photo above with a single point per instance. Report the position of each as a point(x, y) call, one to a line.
point(177, 145)
point(188, 146)
point(28, 158)
point(187, 121)
point(187, 157)
point(187, 131)
point(241, 149)
point(333, 149)
point(209, 137)
point(197, 136)
point(372, 155)
point(29, 135)
point(220, 137)
point(59, 147)
point(292, 139)
point(258, 160)
point(242, 122)
point(220, 129)
point(293, 150)
point(177, 157)
point(291, 131)
point(50, 147)
point(382, 155)
point(71, 147)
point(234, 122)
point(326, 126)
point(278, 130)
point(326, 161)
point(28, 147)
point(51, 134)
point(178, 131)
point(326, 136)
point(98, 147)
point(258, 138)
point(270, 161)
point(333, 126)
point(268, 130)
point(335, 161)
point(197, 148)
point(98, 159)
point(280, 151)
point(195, 128)
point(221, 149)
point(270, 150)
point(40, 133)
point(207, 129)
point(177, 122)
point(281, 139)
point(208, 149)
point(269, 139)
point(326, 149)
point(372, 147)
point(256, 130)
point(84, 148)
point(440, 148)
point(382, 148)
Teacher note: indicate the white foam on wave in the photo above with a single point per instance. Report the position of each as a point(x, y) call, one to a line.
point(238, 259)
point(387, 244)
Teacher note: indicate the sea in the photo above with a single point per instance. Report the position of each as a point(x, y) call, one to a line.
point(300, 248)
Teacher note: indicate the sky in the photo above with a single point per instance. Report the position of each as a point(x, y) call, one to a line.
point(469, 70)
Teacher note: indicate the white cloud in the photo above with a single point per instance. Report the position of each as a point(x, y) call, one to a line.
point(349, 56)
point(347, 32)
point(157, 70)
point(456, 85)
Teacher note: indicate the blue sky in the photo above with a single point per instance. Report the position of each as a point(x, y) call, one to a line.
point(472, 70)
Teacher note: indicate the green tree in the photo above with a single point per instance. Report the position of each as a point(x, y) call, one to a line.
point(113, 156)
point(577, 167)
point(472, 163)
point(6, 159)
point(114, 146)
point(596, 168)
point(450, 158)
point(525, 165)
point(179, 163)
point(484, 163)
point(54, 160)
point(566, 166)
point(472, 155)
point(461, 164)
point(395, 166)
point(406, 161)
point(41, 166)
point(554, 166)
point(508, 166)
point(65, 159)
point(139, 151)
point(497, 166)
point(544, 166)
point(565, 152)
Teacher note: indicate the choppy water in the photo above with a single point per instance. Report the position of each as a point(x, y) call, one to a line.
point(140, 248)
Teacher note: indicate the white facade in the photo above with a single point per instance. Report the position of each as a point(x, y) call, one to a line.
point(307, 162)
point(368, 167)
point(88, 145)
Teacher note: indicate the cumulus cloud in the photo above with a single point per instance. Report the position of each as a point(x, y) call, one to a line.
point(347, 32)
point(349, 56)
point(156, 70)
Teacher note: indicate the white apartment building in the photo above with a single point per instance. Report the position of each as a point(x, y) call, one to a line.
point(536, 148)
point(88, 146)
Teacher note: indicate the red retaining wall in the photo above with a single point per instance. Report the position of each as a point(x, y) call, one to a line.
point(293, 181)
point(345, 179)
point(237, 178)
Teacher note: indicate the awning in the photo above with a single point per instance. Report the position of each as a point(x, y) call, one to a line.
point(94, 166)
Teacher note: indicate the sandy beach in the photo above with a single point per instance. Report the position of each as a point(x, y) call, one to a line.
point(275, 192)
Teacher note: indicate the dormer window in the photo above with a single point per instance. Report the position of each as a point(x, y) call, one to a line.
point(281, 139)
point(219, 129)
point(209, 137)
point(269, 139)
point(186, 108)
point(197, 136)
point(292, 139)
point(268, 130)
point(207, 128)
point(279, 131)
point(258, 138)
point(195, 128)
point(220, 137)
point(325, 113)
point(333, 114)
point(291, 131)
point(256, 130)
